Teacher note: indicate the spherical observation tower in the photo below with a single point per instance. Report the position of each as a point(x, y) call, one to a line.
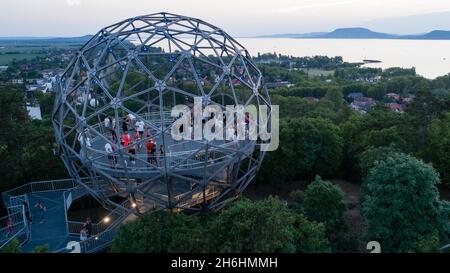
point(113, 115)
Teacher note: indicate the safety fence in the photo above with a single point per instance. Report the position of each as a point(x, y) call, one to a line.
point(102, 233)
point(14, 226)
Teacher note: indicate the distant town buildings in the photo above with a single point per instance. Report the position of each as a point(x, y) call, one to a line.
point(278, 84)
point(396, 102)
point(353, 96)
point(363, 104)
point(17, 81)
point(373, 79)
point(395, 107)
point(45, 84)
point(393, 96)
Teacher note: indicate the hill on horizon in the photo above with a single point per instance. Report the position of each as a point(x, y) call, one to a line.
point(362, 33)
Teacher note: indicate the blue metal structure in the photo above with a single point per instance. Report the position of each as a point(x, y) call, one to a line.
point(138, 70)
point(57, 230)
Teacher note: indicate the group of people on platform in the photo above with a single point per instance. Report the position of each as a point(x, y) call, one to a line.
point(132, 143)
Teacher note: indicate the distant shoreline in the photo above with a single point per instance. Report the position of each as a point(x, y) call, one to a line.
point(312, 38)
point(361, 33)
point(371, 61)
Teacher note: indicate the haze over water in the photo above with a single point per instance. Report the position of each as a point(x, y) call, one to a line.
point(431, 58)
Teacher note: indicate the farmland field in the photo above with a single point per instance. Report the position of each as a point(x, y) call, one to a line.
point(6, 59)
point(10, 52)
point(313, 72)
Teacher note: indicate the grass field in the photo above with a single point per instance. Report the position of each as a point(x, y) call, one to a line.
point(9, 52)
point(313, 72)
point(6, 59)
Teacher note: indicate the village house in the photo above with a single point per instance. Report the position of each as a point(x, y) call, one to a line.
point(407, 100)
point(17, 81)
point(393, 96)
point(363, 104)
point(373, 79)
point(396, 107)
point(278, 84)
point(353, 96)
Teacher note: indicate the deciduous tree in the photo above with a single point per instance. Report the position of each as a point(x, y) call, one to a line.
point(402, 204)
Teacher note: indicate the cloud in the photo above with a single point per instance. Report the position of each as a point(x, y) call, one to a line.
point(72, 3)
point(293, 9)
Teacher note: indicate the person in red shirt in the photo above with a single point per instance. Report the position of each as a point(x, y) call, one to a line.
point(137, 139)
point(126, 139)
point(9, 228)
point(150, 155)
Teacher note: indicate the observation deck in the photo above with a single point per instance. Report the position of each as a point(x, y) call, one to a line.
point(189, 162)
point(57, 230)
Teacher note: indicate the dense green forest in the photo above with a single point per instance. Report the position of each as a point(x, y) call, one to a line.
point(400, 160)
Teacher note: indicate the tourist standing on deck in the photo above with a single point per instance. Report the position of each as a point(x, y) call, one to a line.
point(149, 151)
point(42, 209)
point(132, 152)
point(126, 139)
point(88, 226)
point(84, 138)
point(9, 228)
point(107, 123)
point(83, 234)
point(27, 212)
point(137, 139)
point(140, 126)
point(125, 124)
point(131, 119)
point(153, 152)
point(161, 153)
point(110, 152)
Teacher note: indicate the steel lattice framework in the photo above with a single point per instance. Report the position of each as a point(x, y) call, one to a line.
point(144, 66)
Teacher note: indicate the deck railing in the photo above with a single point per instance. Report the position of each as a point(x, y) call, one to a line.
point(15, 199)
point(40, 186)
point(174, 159)
point(102, 233)
point(75, 227)
point(14, 226)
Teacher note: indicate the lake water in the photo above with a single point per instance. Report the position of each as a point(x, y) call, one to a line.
point(430, 58)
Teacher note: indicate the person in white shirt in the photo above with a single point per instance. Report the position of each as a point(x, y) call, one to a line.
point(84, 138)
point(111, 158)
point(108, 148)
point(140, 126)
point(107, 122)
point(107, 125)
point(131, 118)
point(83, 234)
